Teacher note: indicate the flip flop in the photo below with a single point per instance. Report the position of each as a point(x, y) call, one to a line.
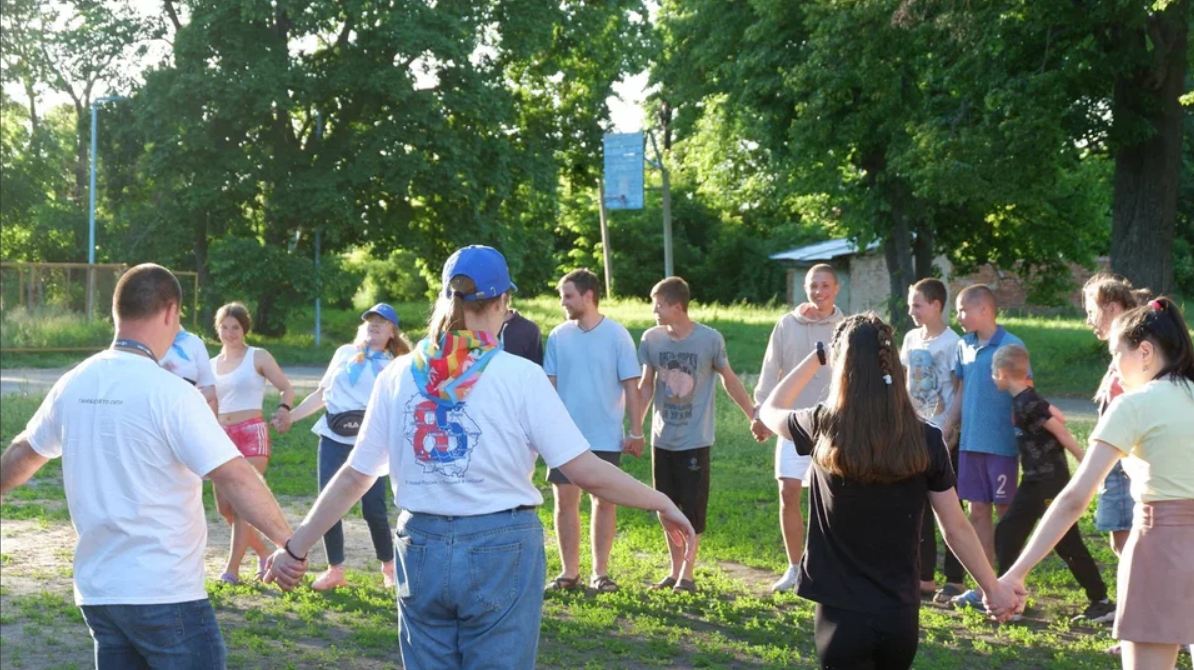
point(563, 583)
point(685, 586)
point(665, 583)
point(229, 578)
point(603, 584)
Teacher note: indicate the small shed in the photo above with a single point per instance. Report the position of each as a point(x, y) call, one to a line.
point(863, 276)
point(866, 285)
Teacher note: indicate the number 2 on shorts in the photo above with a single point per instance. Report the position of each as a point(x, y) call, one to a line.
point(1000, 490)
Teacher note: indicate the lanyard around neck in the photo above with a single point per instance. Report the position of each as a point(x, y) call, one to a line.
point(134, 346)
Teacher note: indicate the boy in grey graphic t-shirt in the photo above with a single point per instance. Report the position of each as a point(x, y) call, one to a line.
point(679, 359)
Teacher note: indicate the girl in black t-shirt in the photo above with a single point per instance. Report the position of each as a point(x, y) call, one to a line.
point(874, 463)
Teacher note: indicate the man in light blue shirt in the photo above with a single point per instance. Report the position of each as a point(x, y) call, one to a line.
point(593, 364)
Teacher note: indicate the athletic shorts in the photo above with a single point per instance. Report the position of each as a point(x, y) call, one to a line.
point(1114, 509)
point(788, 463)
point(683, 476)
point(987, 478)
point(556, 477)
point(250, 436)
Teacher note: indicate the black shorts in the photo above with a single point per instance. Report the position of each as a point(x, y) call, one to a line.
point(556, 477)
point(683, 476)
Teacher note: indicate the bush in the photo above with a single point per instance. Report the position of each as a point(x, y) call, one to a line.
point(395, 278)
point(52, 328)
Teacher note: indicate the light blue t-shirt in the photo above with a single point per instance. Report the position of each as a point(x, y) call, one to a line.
point(986, 411)
point(589, 368)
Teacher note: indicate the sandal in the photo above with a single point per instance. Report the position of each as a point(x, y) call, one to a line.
point(685, 586)
point(665, 583)
point(563, 583)
point(229, 578)
point(603, 584)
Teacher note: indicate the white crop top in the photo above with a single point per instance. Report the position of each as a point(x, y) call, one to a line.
point(243, 388)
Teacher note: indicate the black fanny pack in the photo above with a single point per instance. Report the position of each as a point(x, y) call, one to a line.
point(347, 423)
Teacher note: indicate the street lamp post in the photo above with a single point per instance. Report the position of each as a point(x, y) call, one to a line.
point(91, 203)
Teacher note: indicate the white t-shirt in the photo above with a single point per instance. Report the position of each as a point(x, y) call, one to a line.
point(482, 459)
point(188, 359)
point(135, 442)
point(340, 394)
point(930, 363)
point(589, 367)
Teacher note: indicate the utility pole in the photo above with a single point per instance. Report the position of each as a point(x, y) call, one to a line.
point(606, 252)
point(668, 266)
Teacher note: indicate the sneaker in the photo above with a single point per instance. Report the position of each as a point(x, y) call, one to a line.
point(972, 599)
point(946, 593)
point(1102, 611)
point(787, 582)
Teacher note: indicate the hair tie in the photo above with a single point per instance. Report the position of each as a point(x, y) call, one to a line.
point(1157, 305)
point(887, 379)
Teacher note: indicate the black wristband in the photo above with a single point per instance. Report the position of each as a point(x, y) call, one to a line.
point(821, 353)
point(286, 547)
point(284, 406)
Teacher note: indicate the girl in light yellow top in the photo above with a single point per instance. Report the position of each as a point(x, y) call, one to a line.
point(1151, 428)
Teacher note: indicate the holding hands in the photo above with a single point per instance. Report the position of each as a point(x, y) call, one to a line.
point(759, 431)
point(281, 420)
point(1008, 597)
point(633, 445)
point(285, 569)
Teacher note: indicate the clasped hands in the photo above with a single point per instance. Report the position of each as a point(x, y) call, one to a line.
point(284, 570)
point(1008, 598)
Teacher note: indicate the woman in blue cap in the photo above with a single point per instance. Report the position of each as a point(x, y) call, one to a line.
point(458, 424)
point(344, 391)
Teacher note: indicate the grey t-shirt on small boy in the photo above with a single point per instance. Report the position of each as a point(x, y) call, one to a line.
point(684, 385)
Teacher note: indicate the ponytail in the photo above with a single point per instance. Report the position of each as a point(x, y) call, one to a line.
point(1160, 322)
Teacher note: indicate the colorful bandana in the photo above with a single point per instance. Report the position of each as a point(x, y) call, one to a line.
point(446, 372)
point(356, 364)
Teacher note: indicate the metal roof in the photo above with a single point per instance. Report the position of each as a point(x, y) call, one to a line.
point(822, 251)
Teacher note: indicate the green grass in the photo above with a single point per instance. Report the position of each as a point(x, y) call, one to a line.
point(1067, 359)
point(732, 622)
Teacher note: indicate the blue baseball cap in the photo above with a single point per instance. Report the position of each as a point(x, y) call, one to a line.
point(484, 265)
point(384, 311)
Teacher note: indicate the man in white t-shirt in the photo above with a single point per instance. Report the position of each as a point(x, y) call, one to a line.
point(136, 443)
point(187, 357)
point(593, 363)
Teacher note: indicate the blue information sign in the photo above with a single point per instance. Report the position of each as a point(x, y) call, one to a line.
point(623, 171)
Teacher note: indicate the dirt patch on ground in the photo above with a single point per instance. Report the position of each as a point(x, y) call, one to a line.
point(39, 624)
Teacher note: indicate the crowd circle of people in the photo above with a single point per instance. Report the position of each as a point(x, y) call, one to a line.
point(891, 439)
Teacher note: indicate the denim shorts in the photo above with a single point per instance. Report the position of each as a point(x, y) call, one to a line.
point(470, 589)
point(174, 636)
point(1114, 509)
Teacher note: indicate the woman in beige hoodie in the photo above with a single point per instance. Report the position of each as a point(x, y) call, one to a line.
point(794, 337)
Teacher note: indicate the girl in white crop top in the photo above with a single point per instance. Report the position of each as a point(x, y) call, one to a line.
point(241, 372)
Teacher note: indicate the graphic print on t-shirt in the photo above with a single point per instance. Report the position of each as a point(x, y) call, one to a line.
point(923, 385)
point(677, 372)
point(443, 439)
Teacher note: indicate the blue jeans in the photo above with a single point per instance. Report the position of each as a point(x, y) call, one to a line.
point(332, 456)
point(470, 590)
point(171, 636)
point(1114, 509)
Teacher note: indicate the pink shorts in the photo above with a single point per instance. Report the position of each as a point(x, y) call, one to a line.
point(250, 436)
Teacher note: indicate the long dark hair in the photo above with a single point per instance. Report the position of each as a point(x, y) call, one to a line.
point(871, 432)
point(1160, 322)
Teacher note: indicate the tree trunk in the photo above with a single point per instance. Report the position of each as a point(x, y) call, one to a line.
point(897, 251)
point(200, 250)
point(922, 250)
point(1144, 205)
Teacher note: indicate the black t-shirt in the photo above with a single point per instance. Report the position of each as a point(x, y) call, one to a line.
point(863, 550)
point(520, 336)
point(1041, 455)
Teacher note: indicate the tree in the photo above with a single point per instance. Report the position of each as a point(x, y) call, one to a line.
point(923, 125)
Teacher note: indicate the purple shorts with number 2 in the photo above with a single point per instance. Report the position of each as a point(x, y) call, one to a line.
point(986, 478)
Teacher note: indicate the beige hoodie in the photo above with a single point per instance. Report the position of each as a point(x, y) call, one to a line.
point(793, 338)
